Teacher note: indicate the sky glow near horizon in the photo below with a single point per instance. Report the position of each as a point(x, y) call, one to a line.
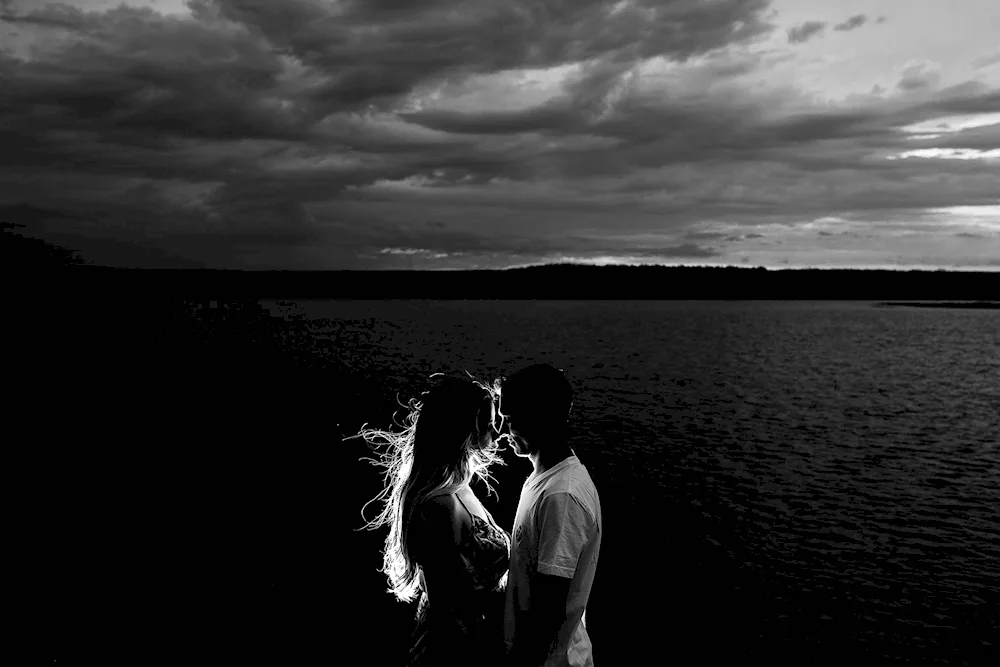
point(350, 134)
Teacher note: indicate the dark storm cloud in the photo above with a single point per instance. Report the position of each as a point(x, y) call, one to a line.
point(987, 60)
point(977, 138)
point(139, 78)
point(136, 73)
point(704, 236)
point(375, 53)
point(805, 31)
point(855, 21)
point(684, 251)
point(255, 128)
point(688, 127)
point(432, 237)
point(918, 76)
point(641, 132)
point(965, 98)
point(496, 122)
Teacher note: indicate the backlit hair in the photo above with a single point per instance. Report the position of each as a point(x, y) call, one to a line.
point(434, 453)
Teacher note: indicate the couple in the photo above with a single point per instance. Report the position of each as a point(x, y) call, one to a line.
point(483, 598)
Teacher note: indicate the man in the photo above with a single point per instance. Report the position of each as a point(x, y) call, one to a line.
point(556, 536)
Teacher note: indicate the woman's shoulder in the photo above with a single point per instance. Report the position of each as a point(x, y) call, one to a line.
point(438, 503)
point(441, 510)
point(437, 507)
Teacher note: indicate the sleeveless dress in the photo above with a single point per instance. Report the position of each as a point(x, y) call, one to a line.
point(473, 636)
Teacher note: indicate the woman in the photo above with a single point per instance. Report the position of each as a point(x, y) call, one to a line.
point(443, 546)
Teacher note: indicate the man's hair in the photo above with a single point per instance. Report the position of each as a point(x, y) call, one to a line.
point(537, 399)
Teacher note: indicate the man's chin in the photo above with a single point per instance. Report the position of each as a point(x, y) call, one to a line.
point(518, 451)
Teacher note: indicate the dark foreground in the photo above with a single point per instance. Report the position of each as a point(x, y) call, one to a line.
point(547, 282)
point(191, 498)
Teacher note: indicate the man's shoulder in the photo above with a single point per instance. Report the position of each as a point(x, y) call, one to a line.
point(571, 479)
point(570, 498)
point(578, 480)
point(581, 488)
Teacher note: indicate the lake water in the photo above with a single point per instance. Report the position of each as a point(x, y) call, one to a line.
point(842, 458)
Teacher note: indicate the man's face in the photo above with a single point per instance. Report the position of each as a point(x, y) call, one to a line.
point(510, 434)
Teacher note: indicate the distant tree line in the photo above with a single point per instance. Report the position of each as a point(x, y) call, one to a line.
point(21, 252)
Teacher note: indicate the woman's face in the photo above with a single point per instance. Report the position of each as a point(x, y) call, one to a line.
point(491, 431)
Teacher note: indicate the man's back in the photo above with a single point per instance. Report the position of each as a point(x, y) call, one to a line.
point(557, 531)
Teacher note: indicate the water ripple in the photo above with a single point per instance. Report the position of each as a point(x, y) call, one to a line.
point(844, 457)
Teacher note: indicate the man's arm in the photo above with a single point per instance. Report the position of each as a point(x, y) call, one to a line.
point(564, 528)
point(542, 623)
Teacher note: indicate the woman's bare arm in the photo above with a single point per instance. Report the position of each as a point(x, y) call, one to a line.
point(445, 569)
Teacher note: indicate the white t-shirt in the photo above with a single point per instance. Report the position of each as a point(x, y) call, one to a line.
point(557, 530)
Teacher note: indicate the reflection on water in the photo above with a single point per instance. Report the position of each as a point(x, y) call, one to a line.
point(845, 456)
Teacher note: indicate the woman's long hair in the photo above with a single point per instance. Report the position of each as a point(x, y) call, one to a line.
point(435, 452)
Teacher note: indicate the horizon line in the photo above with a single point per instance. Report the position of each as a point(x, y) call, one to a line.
point(566, 265)
point(953, 269)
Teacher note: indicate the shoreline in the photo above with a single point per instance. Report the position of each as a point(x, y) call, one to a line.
point(977, 305)
point(888, 288)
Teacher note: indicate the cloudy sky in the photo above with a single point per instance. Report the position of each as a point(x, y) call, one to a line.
point(327, 134)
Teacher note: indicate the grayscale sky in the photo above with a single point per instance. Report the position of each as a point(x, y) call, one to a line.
point(329, 134)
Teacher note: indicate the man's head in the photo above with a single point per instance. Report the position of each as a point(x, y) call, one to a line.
point(535, 403)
